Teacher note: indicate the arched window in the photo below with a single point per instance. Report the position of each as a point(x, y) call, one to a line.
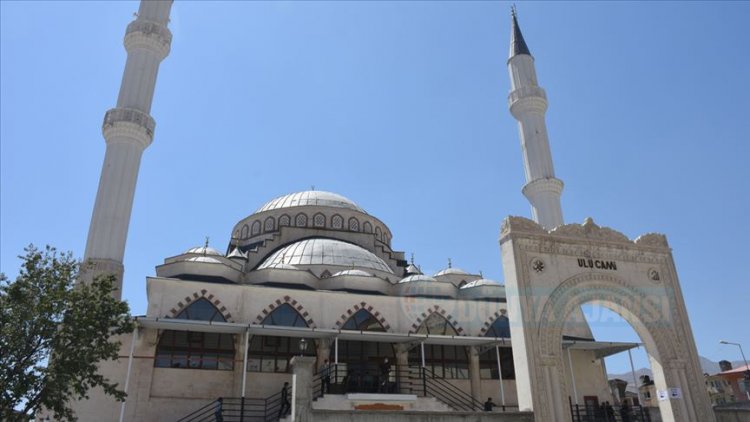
point(300, 220)
point(337, 222)
point(186, 349)
point(268, 225)
point(255, 228)
point(319, 220)
point(367, 227)
point(378, 233)
point(245, 231)
point(284, 220)
point(272, 354)
point(444, 361)
point(353, 224)
point(488, 360)
point(361, 360)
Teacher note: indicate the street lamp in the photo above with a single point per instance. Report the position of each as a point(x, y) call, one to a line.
point(302, 346)
point(747, 369)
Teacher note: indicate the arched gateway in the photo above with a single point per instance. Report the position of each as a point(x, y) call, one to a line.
point(549, 275)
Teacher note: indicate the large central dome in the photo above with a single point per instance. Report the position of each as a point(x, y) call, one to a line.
point(310, 197)
point(320, 251)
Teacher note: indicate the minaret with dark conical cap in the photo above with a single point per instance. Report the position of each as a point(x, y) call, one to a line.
point(517, 43)
point(528, 103)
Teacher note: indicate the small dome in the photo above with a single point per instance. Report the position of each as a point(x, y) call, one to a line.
point(412, 269)
point(481, 282)
point(322, 251)
point(206, 259)
point(310, 197)
point(204, 250)
point(359, 273)
point(451, 271)
point(416, 277)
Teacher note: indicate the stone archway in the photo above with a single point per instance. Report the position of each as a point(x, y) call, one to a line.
point(638, 282)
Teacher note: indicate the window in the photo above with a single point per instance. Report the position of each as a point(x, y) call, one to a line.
point(272, 354)
point(337, 222)
point(300, 220)
point(284, 220)
point(185, 349)
point(319, 220)
point(255, 228)
point(488, 360)
point(353, 224)
point(444, 361)
point(268, 225)
point(245, 231)
point(361, 360)
point(367, 227)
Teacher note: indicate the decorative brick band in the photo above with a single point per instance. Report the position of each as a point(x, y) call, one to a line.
point(440, 311)
point(358, 306)
point(291, 302)
point(203, 294)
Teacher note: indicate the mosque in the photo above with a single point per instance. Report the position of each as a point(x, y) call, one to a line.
point(311, 291)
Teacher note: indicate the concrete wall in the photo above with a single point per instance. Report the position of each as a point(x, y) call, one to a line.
point(383, 416)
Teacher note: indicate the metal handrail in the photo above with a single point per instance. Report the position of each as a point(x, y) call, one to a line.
point(465, 400)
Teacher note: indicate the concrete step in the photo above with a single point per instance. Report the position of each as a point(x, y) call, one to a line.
point(380, 402)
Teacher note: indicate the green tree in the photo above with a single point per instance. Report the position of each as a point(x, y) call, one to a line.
point(53, 332)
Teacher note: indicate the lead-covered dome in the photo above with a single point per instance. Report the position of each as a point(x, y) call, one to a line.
point(321, 251)
point(310, 197)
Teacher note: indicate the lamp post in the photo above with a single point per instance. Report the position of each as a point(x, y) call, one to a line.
point(747, 370)
point(302, 346)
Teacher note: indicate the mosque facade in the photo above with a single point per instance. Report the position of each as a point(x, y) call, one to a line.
point(312, 277)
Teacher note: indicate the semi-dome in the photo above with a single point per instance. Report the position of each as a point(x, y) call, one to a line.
point(416, 277)
point(281, 266)
point(451, 271)
point(359, 273)
point(310, 197)
point(321, 251)
point(206, 259)
point(481, 282)
point(204, 250)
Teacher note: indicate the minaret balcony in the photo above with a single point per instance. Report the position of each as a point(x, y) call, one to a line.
point(152, 36)
point(130, 123)
point(527, 99)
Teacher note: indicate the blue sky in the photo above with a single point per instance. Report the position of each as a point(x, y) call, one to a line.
point(400, 106)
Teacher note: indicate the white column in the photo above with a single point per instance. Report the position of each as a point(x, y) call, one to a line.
point(128, 130)
point(421, 350)
point(572, 377)
point(244, 362)
point(500, 375)
point(127, 376)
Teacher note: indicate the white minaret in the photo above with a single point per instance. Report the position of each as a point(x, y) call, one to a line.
point(528, 103)
point(128, 129)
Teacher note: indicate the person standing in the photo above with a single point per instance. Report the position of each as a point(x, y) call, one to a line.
point(285, 407)
point(489, 405)
point(325, 373)
point(385, 371)
point(218, 412)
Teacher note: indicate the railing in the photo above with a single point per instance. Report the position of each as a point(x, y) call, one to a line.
point(443, 390)
point(359, 378)
point(608, 413)
point(371, 378)
point(238, 409)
